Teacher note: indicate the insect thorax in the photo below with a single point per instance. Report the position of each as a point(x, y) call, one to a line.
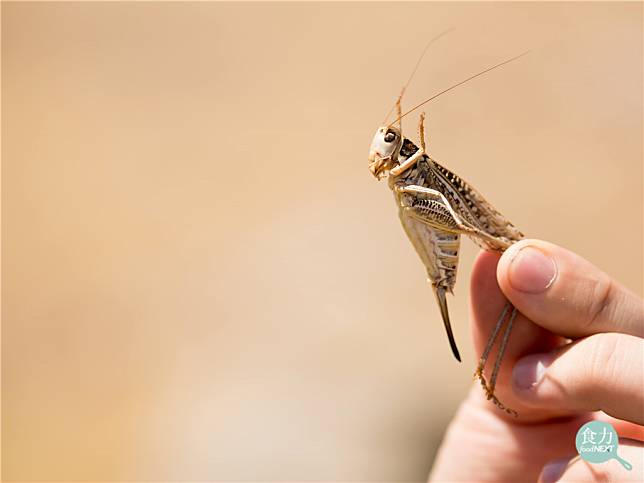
point(464, 199)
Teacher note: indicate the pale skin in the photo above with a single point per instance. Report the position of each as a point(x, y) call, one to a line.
point(577, 347)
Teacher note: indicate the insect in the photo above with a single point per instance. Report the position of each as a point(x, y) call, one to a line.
point(436, 207)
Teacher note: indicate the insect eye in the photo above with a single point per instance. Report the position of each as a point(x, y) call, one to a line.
point(389, 137)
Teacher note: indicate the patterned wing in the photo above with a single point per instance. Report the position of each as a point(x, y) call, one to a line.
point(471, 205)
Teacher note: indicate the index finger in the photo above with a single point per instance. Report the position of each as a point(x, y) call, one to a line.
point(565, 294)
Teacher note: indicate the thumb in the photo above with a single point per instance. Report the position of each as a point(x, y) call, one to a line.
point(566, 294)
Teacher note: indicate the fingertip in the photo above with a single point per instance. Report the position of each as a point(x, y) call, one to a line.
point(486, 296)
point(487, 303)
point(529, 371)
point(527, 267)
point(484, 274)
point(487, 306)
point(562, 292)
point(528, 274)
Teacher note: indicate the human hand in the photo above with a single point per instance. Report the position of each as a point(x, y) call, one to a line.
point(555, 384)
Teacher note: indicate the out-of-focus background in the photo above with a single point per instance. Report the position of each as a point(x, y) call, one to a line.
point(201, 279)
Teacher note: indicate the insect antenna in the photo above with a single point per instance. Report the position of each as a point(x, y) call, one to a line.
point(413, 72)
point(459, 84)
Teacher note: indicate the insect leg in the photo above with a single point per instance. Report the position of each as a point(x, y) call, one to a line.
point(504, 343)
point(421, 131)
point(433, 208)
point(411, 161)
point(489, 388)
point(408, 163)
point(463, 226)
point(490, 343)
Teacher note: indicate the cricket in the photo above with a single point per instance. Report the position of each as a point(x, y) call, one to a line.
point(436, 207)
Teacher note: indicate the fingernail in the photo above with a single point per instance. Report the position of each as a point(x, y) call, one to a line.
point(529, 371)
point(531, 270)
point(554, 470)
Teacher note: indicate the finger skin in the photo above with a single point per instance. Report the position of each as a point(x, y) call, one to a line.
point(484, 446)
point(576, 470)
point(483, 443)
point(526, 337)
point(624, 428)
point(579, 300)
point(600, 372)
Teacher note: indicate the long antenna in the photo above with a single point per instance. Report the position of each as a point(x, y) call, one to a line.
point(413, 72)
point(459, 84)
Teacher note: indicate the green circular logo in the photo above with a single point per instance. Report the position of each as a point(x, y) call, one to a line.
point(597, 442)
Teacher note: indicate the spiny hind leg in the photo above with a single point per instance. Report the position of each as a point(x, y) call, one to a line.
point(489, 388)
point(489, 345)
point(463, 226)
point(421, 192)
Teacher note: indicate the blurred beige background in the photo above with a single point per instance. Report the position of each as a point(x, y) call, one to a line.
point(199, 271)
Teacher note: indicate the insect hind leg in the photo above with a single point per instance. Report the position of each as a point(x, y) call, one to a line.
point(489, 388)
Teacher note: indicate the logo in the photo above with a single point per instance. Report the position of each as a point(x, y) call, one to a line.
point(597, 442)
